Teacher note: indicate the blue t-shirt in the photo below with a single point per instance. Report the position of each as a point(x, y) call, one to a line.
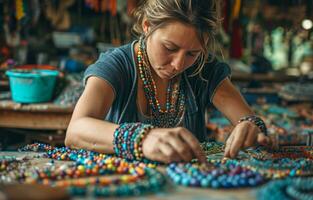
point(118, 67)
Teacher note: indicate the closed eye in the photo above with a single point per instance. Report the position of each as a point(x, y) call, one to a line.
point(193, 54)
point(170, 49)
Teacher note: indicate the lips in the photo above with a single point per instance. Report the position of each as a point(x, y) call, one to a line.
point(167, 75)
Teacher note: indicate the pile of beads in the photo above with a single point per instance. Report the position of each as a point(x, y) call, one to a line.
point(36, 147)
point(221, 176)
point(278, 168)
point(212, 147)
point(13, 169)
point(292, 152)
point(286, 161)
point(215, 152)
point(93, 173)
point(288, 189)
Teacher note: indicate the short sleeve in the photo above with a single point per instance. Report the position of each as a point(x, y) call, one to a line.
point(109, 68)
point(215, 73)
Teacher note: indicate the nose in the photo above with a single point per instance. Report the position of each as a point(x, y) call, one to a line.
point(178, 62)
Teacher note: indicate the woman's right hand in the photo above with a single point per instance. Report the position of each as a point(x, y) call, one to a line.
point(172, 145)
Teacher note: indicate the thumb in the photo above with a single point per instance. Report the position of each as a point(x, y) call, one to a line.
point(263, 139)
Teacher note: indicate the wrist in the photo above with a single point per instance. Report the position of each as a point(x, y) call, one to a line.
point(128, 139)
point(257, 121)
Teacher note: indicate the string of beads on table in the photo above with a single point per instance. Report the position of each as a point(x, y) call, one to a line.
point(89, 173)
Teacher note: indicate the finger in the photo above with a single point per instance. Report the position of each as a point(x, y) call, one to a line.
point(158, 156)
point(251, 138)
point(193, 143)
point(228, 145)
point(237, 143)
point(169, 154)
point(183, 150)
point(263, 139)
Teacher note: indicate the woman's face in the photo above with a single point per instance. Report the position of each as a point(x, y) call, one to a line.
point(172, 49)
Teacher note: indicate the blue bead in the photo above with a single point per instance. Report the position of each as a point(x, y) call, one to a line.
point(251, 182)
point(242, 182)
point(185, 182)
point(215, 184)
point(205, 183)
point(177, 179)
point(292, 172)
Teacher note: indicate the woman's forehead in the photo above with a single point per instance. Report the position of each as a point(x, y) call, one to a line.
point(180, 34)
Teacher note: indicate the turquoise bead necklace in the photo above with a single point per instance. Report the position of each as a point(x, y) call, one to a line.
point(174, 110)
point(287, 189)
point(214, 176)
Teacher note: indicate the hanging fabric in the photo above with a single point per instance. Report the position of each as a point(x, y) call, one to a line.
point(226, 15)
point(236, 48)
point(59, 16)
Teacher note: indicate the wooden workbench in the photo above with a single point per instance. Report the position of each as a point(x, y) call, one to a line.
point(171, 193)
point(47, 116)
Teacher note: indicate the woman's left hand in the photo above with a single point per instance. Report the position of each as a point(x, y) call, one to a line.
point(245, 134)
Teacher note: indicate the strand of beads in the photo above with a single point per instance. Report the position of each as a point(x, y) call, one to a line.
point(36, 147)
point(289, 189)
point(279, 168)
point(301, 189)
point(91, 174)
point(133, 179)
point(212, 147)
point(287, 161)
point(222, 176)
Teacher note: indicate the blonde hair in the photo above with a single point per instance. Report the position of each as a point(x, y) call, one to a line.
point(204, 15)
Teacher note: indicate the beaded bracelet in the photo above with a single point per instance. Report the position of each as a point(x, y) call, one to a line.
point(128, 138)
point(256, 121)
point(139, 140)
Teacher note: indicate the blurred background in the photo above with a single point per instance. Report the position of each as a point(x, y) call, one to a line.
point(268, 45)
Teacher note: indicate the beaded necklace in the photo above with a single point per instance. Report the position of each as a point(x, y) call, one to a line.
point(93, 172)
point(88, 174)
point(174, 110)
point(284, 162)
point(289, 189)
point(215, 176)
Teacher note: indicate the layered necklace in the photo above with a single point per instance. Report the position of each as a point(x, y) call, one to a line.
point(174, 110)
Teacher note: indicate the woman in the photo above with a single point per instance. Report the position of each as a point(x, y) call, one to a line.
point(164, 81)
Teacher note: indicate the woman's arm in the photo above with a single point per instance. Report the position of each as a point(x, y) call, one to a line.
point(87, 129)
point(229, 101)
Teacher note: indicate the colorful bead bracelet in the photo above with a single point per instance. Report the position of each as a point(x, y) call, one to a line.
point(128, 138)
point(256, 121)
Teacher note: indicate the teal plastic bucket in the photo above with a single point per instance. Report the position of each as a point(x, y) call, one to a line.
point(32, 86)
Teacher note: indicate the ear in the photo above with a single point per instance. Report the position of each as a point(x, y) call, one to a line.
point(145, 26)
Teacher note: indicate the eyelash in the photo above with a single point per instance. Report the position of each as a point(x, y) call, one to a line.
point(191, 54)
point(172, 50)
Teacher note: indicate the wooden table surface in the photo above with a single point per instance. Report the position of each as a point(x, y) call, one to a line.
point(46, 116)
point(171, 193)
